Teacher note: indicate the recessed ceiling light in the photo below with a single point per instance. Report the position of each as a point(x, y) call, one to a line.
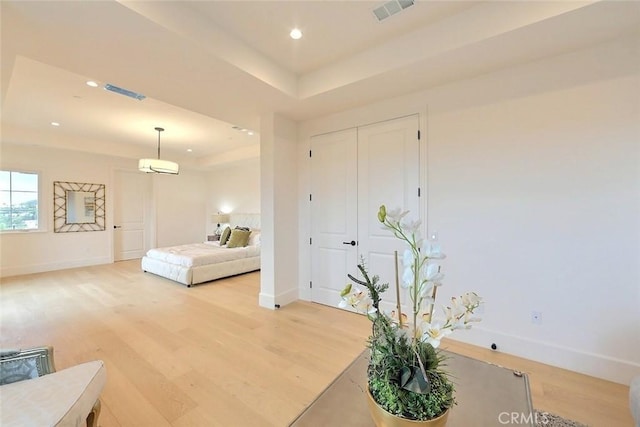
point(55, 124)
point(92, 83)
point(189, 150)
point(238, 128)
point(295, 34)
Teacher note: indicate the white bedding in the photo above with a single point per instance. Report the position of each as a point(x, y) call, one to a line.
point(199, 254)
point(203, 262)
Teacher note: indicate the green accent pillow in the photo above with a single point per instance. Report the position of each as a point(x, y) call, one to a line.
point(239, 238)
point(225, 236)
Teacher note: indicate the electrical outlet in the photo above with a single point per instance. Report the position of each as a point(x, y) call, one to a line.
point(536, 317)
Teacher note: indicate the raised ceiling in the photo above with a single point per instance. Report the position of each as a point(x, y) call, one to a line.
point(206, 66)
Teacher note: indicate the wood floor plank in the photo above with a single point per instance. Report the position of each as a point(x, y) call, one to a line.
point(126, 405)
point(211, 356)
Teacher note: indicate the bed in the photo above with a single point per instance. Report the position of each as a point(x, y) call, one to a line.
point(195, 263)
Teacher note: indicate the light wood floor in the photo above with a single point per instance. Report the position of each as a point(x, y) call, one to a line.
point(210, 356)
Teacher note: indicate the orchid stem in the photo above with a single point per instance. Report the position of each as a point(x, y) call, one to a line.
point(395, 253)
point(433, 305)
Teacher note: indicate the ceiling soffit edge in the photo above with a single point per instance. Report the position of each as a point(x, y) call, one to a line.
point(179, 19)
point(472, 26)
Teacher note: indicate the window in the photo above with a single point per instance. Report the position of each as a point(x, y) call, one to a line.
point(18, 200)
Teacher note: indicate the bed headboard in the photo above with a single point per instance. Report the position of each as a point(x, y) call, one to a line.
point(251, 220)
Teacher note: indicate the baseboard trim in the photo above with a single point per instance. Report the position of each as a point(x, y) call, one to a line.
point(597, 365)
point(287, 297)
point(267, 301)
point(270, 301)
point(43, 268)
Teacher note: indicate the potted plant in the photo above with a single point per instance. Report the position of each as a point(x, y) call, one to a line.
point(407, 382)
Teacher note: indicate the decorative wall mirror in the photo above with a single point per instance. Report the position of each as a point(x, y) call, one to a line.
point(78, 206)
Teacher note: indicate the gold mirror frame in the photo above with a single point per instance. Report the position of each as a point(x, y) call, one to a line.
point(60, 223)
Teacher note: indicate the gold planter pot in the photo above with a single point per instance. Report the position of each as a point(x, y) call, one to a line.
point(383, 418)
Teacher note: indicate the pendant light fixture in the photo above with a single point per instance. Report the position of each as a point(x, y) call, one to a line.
point(157, 165)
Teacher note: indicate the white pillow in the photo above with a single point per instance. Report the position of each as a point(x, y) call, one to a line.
point(254, 238)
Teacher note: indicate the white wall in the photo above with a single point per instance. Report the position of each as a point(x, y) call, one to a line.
point(45, 250)
point(179, 210)
point(533, 185)
point(234, 187)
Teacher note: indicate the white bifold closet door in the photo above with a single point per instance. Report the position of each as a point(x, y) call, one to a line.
point(353, 172)
point(334, 213)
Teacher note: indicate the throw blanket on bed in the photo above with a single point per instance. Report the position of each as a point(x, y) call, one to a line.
point(197, 254)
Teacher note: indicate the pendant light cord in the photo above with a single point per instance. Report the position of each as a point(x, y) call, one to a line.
point(159, 130)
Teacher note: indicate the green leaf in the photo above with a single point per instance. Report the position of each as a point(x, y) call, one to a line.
point(412, 379)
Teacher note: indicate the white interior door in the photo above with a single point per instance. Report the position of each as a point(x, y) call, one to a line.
point(388, 173)
point(333, 214)
point(131, 190)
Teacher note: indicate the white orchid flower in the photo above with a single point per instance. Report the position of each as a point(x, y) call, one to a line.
point(463, 321)
point(407, 274)
point(471, 300)
point(456, 309)
point(412, 227)
point(433, 332)
point(358, 300)
point(458, 323)
point(396, 321)
point(432, 250)
point(351, 300)
point(396, 214)
point(407, 277)
point(367, 308)
point(425, 294)
point(468, 319)
point(407, 258)
point(432, 273)
point(459, 314)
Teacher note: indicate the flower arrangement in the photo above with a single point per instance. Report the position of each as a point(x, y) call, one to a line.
point(405, 375)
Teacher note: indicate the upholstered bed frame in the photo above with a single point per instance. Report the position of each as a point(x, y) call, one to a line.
point(205, 273)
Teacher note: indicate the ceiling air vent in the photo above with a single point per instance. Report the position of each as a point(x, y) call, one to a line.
point(391, 8)
point(125, 92)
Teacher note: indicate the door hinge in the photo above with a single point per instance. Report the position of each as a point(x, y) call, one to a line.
point(310, 284)
point(309, 153)
point(310, 241)
point(418, 135)
point(418, 191)
point(310, 197)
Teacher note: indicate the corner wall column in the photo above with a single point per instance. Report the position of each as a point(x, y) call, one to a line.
point(279, 211)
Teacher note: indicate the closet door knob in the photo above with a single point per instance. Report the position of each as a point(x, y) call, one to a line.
point(352, 243)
